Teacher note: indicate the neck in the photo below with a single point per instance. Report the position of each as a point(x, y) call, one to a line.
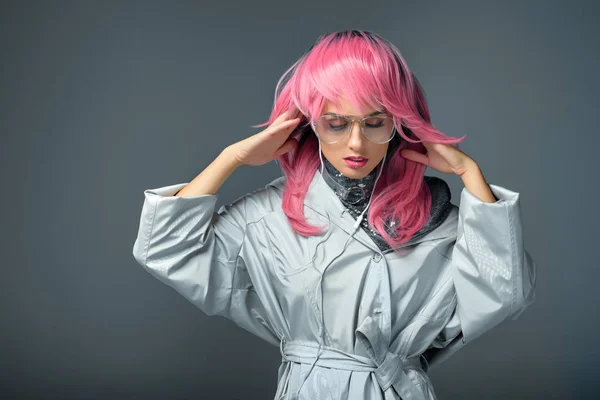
point(354, 191)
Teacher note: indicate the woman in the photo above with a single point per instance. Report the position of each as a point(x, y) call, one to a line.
point(354, 262)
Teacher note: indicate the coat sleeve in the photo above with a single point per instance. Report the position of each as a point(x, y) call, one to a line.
point(185, 244)
point(494, 276)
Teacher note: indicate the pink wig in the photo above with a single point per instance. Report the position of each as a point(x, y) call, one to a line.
point(368, 71)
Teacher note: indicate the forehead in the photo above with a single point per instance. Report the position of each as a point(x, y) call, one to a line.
point(345, 107)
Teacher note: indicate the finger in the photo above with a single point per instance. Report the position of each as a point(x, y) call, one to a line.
point(284, 126)
point(298, 113)
point(280, 117)
point(289, 145)
point(413, 155)
point(294, 112)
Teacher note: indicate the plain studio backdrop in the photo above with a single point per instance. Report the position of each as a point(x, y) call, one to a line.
point(101, 100)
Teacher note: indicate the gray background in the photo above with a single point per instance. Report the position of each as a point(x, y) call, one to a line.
point(101, 100)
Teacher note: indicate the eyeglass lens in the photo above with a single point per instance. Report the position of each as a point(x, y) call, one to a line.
point(332, 128)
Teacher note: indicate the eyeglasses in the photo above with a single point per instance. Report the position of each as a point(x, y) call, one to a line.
point(333, 128)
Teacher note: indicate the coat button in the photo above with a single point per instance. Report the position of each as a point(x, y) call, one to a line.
point(376, 257)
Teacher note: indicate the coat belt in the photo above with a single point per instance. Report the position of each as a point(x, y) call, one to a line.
point(391, 371)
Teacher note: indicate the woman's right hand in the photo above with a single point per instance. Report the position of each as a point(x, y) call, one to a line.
point(268, 144)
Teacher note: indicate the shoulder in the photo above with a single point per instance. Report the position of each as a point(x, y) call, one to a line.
point(261, 201)
point(277, 184)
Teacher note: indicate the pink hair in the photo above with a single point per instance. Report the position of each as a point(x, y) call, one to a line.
point(368, 71)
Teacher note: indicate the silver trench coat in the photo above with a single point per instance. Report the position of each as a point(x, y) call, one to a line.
point(351, 322)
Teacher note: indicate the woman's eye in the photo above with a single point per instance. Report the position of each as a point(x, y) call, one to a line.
point(338, 127)
point(375, 123)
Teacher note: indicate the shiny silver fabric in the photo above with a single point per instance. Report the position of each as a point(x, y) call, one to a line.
point(386, 317)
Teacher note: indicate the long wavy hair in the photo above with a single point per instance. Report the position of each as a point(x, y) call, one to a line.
point(368, 70)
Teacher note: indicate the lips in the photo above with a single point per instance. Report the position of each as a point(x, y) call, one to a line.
point(356, 158)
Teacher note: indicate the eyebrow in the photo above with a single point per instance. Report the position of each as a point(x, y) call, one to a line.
point(370, 115)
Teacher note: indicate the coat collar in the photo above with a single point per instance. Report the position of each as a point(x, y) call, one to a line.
point(322, 199)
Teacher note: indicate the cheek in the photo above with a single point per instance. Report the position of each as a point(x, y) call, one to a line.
point(378, 154)
point(330, 152)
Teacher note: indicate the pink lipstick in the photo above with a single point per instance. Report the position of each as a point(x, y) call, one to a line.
point(356, 162)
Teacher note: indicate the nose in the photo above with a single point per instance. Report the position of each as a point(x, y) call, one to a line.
point(356, 140)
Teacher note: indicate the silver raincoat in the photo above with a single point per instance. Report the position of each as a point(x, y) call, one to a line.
point(351, 322)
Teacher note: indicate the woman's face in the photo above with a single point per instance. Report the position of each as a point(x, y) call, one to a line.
point(353, 145)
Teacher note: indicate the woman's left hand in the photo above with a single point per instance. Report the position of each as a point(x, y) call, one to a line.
point(444, 158)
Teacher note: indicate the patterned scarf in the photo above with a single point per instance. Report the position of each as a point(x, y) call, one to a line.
point(355, 193)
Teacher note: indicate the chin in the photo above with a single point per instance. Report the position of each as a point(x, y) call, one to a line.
point(356, 173)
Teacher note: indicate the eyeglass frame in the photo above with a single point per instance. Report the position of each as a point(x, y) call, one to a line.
point(361, 122)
